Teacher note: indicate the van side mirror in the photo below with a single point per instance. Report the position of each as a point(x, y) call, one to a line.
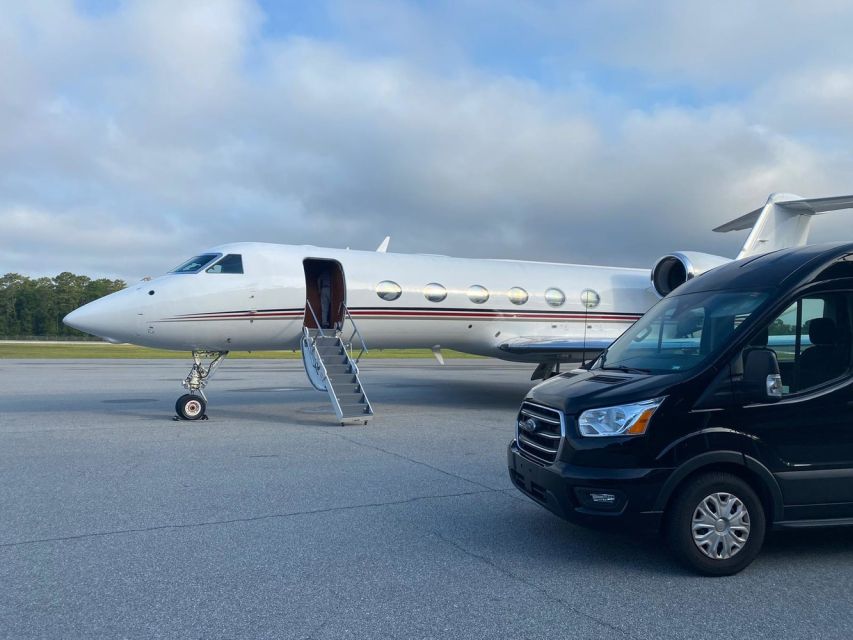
point(761, 379)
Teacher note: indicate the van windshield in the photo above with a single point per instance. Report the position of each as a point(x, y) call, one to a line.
point(681, 332)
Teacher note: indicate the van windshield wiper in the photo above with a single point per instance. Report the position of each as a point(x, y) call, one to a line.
point(626, 369)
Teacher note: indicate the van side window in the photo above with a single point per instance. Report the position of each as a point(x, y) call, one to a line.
point(812, 340)
point(232, 263)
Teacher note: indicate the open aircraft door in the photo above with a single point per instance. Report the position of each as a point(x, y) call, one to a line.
point(325, 294)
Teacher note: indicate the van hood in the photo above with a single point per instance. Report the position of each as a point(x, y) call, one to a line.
point(578, 391)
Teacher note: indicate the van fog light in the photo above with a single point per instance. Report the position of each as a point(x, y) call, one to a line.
point(600, 499)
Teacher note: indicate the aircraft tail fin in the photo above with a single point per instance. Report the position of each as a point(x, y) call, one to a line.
point(782, 222)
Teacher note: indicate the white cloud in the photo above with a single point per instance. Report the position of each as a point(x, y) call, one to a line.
point(132, 139)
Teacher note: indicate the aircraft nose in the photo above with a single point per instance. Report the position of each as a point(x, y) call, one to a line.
point(80, 319)
point(109, 318)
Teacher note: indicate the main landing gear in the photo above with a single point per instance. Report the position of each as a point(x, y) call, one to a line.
point(546, 370)
point(193, 405)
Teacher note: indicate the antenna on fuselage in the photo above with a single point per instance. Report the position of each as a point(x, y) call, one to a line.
point(383, 248)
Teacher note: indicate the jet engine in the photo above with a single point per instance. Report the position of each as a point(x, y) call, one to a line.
point(677, 268)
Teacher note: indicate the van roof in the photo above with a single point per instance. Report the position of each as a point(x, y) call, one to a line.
point(783, 269)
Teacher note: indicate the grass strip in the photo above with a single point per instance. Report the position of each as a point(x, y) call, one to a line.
point(128, 351)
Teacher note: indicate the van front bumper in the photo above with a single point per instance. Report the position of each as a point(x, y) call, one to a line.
point(591, 496)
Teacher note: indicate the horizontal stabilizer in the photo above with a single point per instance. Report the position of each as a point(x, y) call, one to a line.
point(806, 206)
point(782, 222)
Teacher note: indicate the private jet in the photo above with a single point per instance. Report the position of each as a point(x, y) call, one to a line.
point(334, 303)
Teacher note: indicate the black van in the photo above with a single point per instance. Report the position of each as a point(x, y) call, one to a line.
point(725, 410)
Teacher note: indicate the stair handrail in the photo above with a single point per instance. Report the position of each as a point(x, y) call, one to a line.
point(314, 315)
point(356, 332)
point(318, 361)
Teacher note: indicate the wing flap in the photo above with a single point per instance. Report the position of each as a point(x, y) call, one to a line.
point(554, 347)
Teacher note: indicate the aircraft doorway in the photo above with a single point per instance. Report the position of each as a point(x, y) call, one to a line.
point(325, 293)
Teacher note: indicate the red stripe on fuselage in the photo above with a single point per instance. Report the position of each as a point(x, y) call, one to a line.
point(425, 314)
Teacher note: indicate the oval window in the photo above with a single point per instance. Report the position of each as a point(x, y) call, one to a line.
point(554, 297)
point(478, 294)
point(590, 299)
point(517, 295)
point(389, 290)
point(435, 292)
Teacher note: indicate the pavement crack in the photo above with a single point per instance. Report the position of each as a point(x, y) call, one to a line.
point(412, 460)
point(544, 592)
point(313, 633)
point(271, 516)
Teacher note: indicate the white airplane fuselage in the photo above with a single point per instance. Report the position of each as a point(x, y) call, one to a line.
point(264, 308)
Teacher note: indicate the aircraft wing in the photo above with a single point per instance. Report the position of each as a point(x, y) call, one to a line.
point(540, 348)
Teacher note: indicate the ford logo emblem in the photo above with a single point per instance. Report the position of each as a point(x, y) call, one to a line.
point(528, 425)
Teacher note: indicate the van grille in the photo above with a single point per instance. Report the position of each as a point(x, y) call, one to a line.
point(538, 432)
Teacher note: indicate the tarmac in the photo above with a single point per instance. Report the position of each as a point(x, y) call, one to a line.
point(271, 521)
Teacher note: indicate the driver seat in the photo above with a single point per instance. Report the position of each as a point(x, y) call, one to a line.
point(826, 358)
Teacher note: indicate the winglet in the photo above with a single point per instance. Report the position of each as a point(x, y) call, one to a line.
point(383, 248)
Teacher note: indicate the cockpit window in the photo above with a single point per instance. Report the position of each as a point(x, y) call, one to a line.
point(232, 263)
point(194, 265)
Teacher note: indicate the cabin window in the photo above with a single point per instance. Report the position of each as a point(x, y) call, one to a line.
point(232, 263)
point(812, 341)
point(389, 290)
point(554, 297)
point(478, 294)
point(196, 264)
point(517, 295)
point(590, 299)
point(435, 292)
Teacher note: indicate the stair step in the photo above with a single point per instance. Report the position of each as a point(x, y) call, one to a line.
point(351, 401)
point(339, 368)
point(355, 414)
point(342, 378)
point(343, 389)
point(330, 350)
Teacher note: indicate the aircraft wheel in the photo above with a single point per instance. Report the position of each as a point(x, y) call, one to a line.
point(190, 407)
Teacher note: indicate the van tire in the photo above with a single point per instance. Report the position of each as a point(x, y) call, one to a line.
point(712, 494)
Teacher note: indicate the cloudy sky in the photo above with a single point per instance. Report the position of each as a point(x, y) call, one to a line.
point(133, 134)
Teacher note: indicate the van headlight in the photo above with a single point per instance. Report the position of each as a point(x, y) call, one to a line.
point(622, 420)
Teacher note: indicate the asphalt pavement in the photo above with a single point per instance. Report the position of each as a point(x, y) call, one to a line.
point(271, 521)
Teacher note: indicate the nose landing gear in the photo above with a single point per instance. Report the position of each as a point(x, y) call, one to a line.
point(190, 407)
point(193, 405)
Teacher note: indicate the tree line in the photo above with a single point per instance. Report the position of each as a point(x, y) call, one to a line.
point(36, 306)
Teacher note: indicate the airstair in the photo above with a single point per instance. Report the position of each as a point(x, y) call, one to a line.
point(331, 367)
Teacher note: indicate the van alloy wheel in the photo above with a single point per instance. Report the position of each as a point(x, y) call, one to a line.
point(721, 525)
point(715, 523)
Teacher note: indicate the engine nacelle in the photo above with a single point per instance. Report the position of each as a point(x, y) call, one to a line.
point(675, 269)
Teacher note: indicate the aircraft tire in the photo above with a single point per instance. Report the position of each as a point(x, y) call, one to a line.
point(190, 407)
